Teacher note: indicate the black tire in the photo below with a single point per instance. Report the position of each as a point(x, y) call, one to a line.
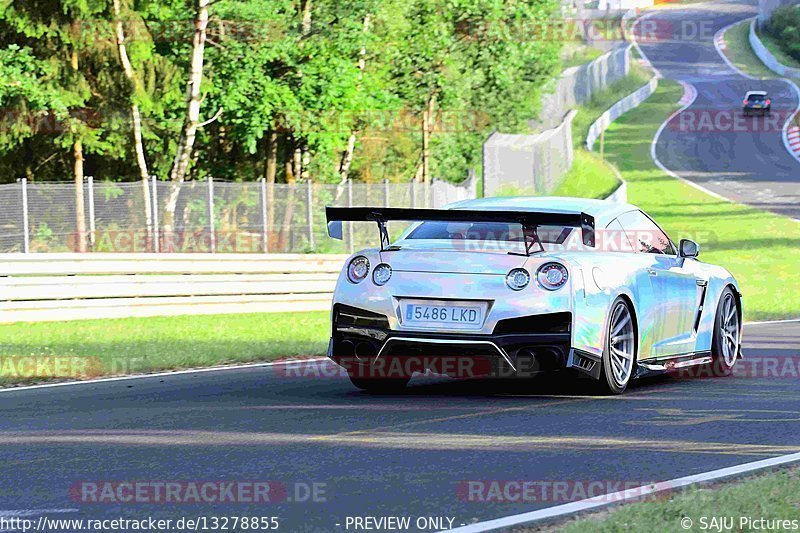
point(610, 381)
point(379, 385)
point(727, 335)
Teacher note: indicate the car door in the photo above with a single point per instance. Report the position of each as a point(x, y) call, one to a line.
point(674, 288)
point(633, 268)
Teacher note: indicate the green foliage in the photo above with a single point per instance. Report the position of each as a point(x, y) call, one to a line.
point(364, 67)
point(784, 27)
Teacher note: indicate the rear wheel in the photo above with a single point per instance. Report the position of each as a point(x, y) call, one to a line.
point(727, 337)
point(619, 354)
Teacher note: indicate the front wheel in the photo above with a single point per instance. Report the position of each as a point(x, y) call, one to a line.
point(619, 353)
point(727, 336)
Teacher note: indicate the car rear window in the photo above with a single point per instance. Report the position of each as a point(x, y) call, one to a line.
point(485, 231)
point(756, 98)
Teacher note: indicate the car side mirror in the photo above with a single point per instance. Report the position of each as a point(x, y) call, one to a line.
point(335, 229)
point(689, 248)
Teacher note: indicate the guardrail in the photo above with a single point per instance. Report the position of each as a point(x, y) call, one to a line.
point(631, 101)
point(79, 286)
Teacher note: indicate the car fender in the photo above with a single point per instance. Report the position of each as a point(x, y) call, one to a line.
point(593, 304)
point(718, 279)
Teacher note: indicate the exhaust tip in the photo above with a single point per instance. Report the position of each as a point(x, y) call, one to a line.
point(365, 350)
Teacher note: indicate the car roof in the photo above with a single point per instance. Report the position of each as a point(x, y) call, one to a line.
point(602, 210)
point(756, 93)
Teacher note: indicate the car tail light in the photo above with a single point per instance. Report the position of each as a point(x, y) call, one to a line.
point(552, 276)
point(769, 102)
point(358, 269)
point(518, 279)
point(381, 274)
point(744, 102)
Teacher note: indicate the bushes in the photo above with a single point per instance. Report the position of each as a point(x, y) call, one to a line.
point(784, 26)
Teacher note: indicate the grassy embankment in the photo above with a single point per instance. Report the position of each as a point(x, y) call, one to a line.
point(768, 496)
point(741, 54)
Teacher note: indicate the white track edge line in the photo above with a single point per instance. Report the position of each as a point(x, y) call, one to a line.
point(160, 374)
point(687, 87)
point(625, 495)
point(787, 125)
point(720, 36)
point(781, 321)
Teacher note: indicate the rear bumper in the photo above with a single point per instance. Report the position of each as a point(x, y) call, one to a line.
point(367, 346)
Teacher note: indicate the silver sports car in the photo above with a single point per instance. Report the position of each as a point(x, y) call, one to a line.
point(518, 286)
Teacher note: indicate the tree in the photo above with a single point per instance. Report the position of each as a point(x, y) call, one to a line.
point(191, 122)
point(136, 116)
point(53, 31)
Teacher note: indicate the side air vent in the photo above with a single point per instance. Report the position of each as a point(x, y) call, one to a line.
point(549, 323)
point(346, 316)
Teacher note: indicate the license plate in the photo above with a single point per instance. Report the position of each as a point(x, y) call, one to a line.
point(443, 314)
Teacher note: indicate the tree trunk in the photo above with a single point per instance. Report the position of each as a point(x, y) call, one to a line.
point(305, 164)
point(293, 171)
point(183, 156)
point(77, 153)
point(136, 121)
point(427, 117)
point(270, 171)
point(80, 214)
point(306, 24)
point(347, 157)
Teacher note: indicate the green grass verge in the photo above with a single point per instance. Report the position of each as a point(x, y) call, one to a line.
point(740, 53)
point(774, 46)
point(761, 249)
point(589, 177)
point(771, 496)
point(132, 345)
point(575, 54)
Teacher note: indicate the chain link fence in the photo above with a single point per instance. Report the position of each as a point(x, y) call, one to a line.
point(202, 216)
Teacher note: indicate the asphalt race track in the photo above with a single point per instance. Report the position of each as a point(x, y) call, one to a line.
point(711, 143)
point(404, 455)
point(307, 430)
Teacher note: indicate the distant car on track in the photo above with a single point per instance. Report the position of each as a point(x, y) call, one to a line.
point(757, 102)
point(530, 285)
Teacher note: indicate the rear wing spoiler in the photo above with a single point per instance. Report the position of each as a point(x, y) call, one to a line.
point(529, 220)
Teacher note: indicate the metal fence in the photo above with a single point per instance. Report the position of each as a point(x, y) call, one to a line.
point(208, 216)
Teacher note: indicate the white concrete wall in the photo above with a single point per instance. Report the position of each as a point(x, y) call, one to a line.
point(767, 57)
point(614, 112)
